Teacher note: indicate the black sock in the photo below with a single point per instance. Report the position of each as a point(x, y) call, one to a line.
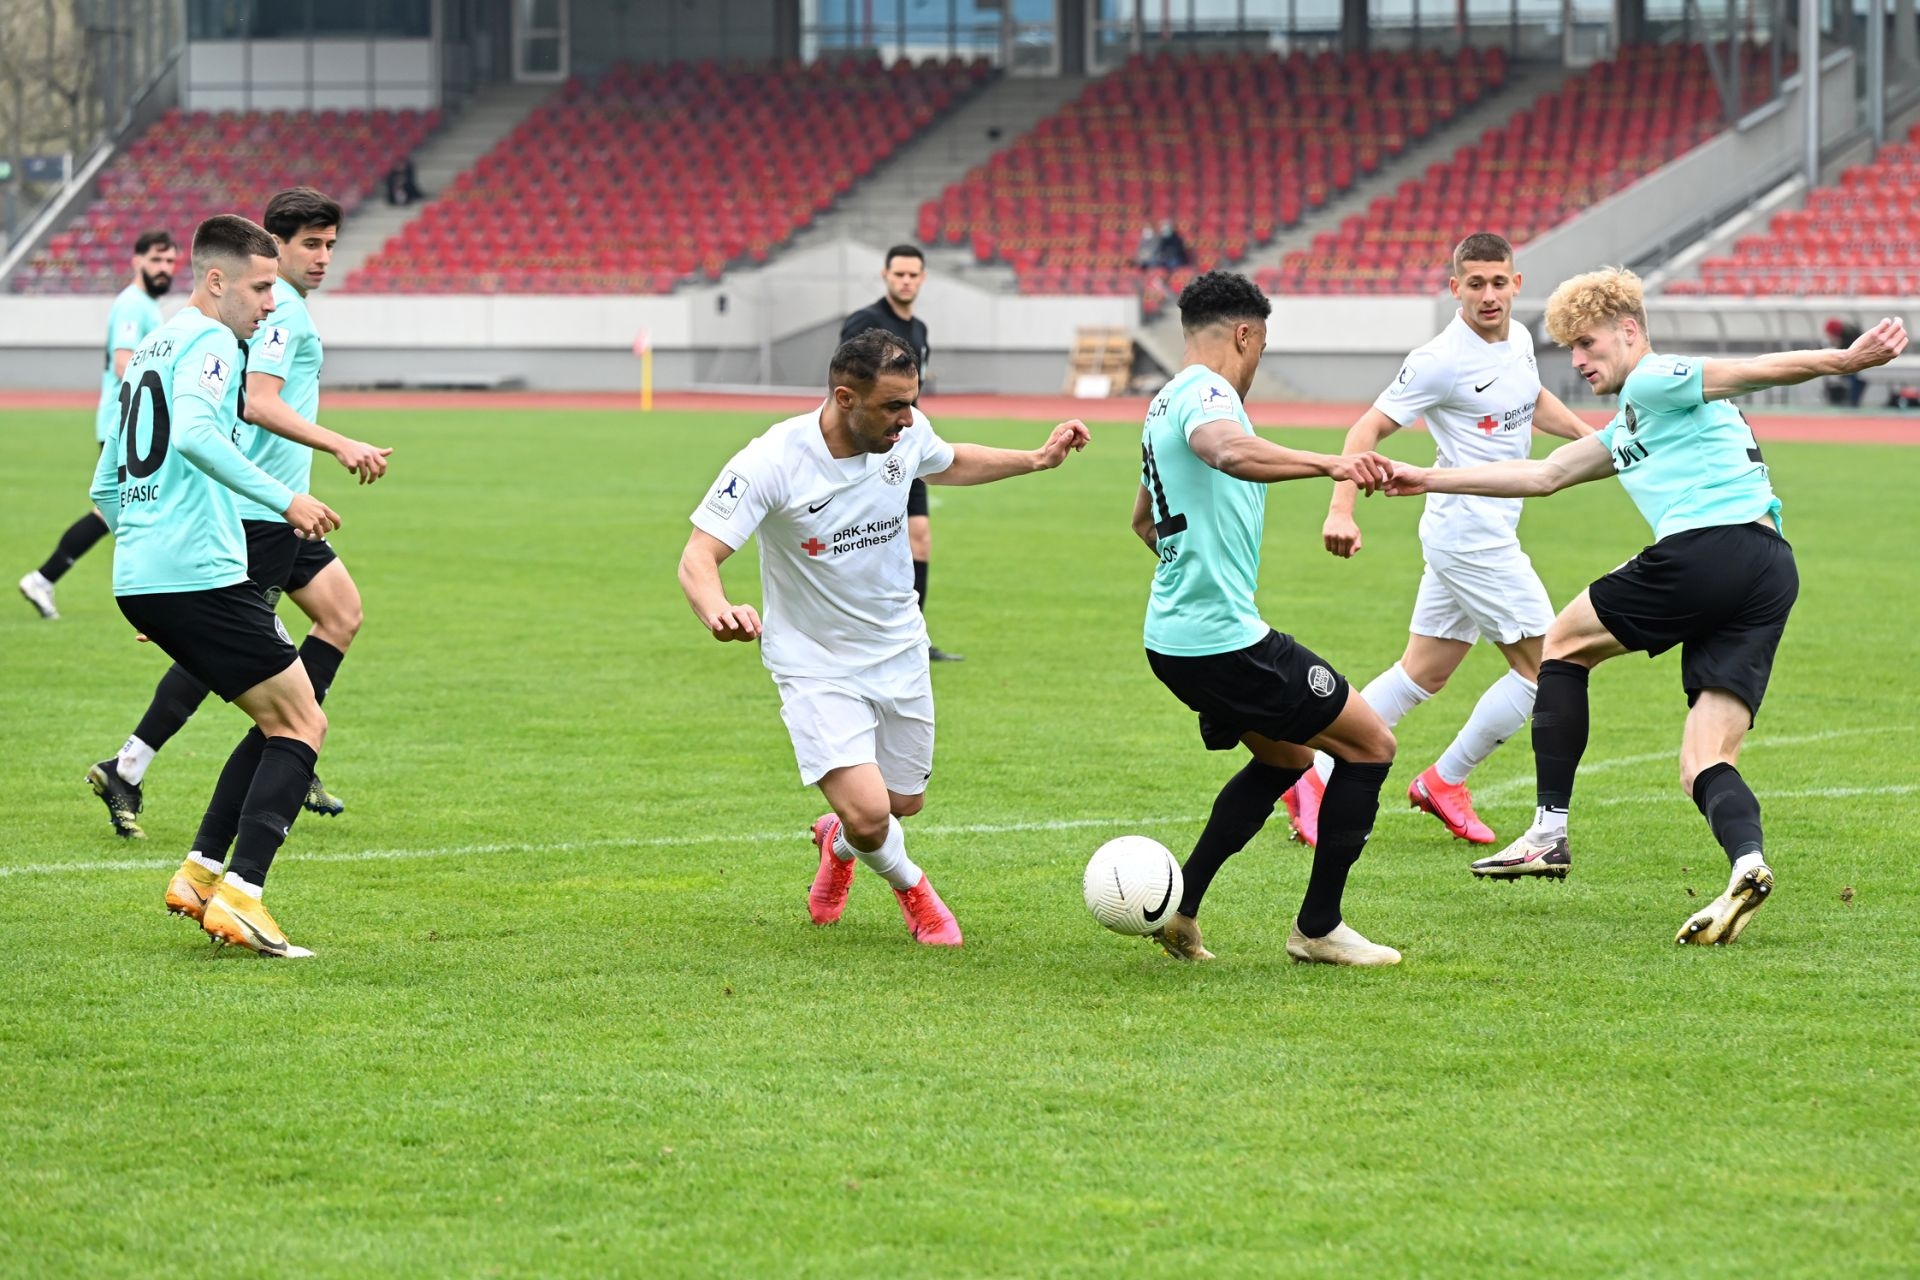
point(222, 818)
point(1730, 808)
point(920, 583)
point(1347, 812)
point(273, 802)
point(1559, 731)
point(74, 543)
point(1239, 811)
point(175, 699)
point(322, 662)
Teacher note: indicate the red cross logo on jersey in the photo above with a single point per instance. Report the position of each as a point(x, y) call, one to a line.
point(1488, 424)
point(813, 546)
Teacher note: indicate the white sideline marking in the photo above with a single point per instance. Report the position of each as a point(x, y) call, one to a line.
point(1388, 808)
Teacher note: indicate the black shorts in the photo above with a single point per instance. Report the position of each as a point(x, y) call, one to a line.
point(279, 560)
point(917, 497)
point(229, 638)
point(1275, 687)
point(1721, 594)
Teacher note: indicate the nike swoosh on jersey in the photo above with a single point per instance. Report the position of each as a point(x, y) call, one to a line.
point(815, 510)
point(1489, 382)
point(1153, 916)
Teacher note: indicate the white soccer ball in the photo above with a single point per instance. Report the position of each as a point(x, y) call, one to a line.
point(1132, 885)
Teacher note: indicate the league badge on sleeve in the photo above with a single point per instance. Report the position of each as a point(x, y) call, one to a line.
point(270, 347)
point(727, 494)
point(1215, 398)
point(214, 373)
point(1681, 368)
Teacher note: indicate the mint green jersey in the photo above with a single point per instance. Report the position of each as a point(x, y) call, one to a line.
point(1685, 462)
point(173, 464)
point(287, 347)
point(1207, 524)
point(135, 315)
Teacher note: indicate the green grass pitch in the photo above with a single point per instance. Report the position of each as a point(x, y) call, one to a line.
point(568, 1016)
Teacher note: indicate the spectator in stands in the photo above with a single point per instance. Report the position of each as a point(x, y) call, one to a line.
point(402, 187)
point(1173, 252)
point(1148, 251)
point(1844, 388)
point(904, 272)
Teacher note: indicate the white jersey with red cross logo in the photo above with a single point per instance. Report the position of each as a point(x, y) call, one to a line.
point(836, 575)
point(1478, 398)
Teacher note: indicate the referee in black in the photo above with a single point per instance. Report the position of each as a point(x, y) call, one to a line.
point(904, 273)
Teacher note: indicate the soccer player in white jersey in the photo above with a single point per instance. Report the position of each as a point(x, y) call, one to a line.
point(843, 636)
point(1479, 390)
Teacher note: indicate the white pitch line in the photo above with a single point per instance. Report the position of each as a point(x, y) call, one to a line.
point(1501, 790)
point(774, 837)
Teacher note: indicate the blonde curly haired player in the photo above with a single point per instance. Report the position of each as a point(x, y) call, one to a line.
point(1719, 580)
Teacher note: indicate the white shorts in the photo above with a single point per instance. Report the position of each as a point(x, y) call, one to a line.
point(1492, 592)
point(881, 715)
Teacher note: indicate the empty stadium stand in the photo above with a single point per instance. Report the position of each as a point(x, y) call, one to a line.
point(1600, 131)
point(649, 177)
point(1229, 147)
point(189, 166)
point(1858, 238)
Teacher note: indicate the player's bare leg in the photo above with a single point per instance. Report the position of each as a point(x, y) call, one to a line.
point(1423, 670)
point(1362, 747)
point(1717, 725)
point(865, 824)
point(1576, 643)
point(332, 601)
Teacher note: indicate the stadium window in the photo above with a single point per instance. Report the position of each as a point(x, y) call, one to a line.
point(341, 18)
point(403, 19)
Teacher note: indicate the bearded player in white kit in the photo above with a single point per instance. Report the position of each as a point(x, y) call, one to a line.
point(1478, 388)
point(843, 634)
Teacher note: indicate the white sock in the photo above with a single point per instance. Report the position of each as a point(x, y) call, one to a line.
point(841, 849)
point(1392, 693)
point(1548, 824)
point(133, 760)
point(1501, 712)
point(1747, 862)
point(202, 861)
point(890, 860)
point(251, 890)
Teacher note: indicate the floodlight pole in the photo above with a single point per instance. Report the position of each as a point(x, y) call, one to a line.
point(1810, 83)
point(1877, 71)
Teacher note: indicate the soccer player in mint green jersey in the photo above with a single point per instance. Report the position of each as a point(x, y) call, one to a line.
point(168, 483)
point(135, 314)
point(283, 397)
point(1719, 579)
point(1200, 508)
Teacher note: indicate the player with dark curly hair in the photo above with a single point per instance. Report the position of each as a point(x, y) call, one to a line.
point(1200, 509)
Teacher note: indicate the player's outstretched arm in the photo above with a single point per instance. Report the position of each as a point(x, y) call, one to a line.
point(265, 408)
point(1551, 415)
point(204, 441)
point(977, 464)
point(1223, 446)
point(1341, 532)
point(1725, 379)
point(700, 579)
point(1576, 463)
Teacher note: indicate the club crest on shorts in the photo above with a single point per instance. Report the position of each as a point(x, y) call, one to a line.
point(1320, 680)
point(894, 472)
point(280, 629)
